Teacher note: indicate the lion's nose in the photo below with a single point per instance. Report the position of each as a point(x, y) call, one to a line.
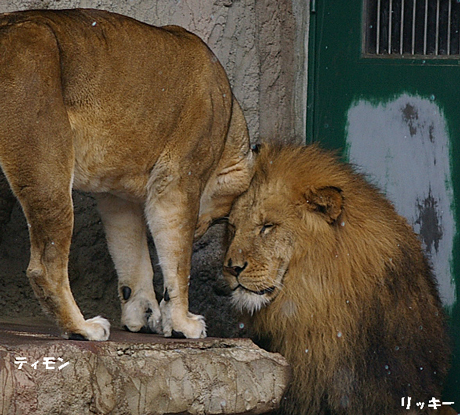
point(235, 270)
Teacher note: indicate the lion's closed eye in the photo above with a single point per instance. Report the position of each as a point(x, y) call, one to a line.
point(266, 228)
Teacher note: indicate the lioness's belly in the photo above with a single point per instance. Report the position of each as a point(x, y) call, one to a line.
point(128, 186)
point(105, 162)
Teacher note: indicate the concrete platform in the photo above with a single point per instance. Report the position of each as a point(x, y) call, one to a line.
point(134, 374)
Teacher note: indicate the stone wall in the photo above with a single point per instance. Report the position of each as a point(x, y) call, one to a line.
point(262, 45)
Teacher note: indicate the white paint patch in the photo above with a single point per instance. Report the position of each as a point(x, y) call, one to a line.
point(403, 145)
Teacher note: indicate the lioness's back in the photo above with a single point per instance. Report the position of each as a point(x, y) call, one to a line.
point(96, 46)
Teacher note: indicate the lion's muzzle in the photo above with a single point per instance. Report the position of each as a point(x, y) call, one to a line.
point(235, 270)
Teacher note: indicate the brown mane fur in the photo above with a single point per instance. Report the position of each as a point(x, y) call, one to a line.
point(357, 313)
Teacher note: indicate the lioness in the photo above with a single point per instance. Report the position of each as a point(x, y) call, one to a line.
point(141, 116)
point(332, 278)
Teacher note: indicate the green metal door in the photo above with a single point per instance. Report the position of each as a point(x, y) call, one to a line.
point(384, 88)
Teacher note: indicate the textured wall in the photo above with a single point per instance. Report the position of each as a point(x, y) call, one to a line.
point(262, 45)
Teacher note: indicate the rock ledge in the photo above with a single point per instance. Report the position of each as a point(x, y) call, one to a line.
point(134, 374)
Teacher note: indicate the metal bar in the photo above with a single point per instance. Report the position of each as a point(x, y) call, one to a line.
point(390, 24)
point(414, 8)
point(449, 17)
point(377, 46)
point(401, 29)
point(425, 28)
point(436, 46)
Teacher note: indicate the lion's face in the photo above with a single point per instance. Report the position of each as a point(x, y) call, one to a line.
point(255, 230)
point(273, 224)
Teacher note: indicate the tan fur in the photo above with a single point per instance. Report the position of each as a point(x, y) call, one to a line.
point(339, 286)
point(141, 116)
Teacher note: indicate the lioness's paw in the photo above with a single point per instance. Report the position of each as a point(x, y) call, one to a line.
point(140, 314)
point(97, 329)
point(192, 326)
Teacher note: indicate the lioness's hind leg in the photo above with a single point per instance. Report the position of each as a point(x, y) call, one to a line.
point(49, 213)
point(36, 154)
point(126, 235)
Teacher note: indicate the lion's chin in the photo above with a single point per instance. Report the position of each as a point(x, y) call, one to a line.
point(248, 301)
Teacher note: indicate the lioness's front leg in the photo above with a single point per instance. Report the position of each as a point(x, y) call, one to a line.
point(37, 156)
point(172, 212)
point(125, 230)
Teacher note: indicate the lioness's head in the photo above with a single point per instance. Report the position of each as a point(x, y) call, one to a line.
point(280, 220)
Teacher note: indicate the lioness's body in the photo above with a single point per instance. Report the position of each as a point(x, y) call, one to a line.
point(336, 281)
point(142, 116)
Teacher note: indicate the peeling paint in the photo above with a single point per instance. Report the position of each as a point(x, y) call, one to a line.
point(429, 221)
point(403, 145)
point(410, 117)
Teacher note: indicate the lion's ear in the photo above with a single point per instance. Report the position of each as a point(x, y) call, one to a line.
point(325, 200)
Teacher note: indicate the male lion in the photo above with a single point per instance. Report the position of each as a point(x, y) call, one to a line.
point(336, 281)
point(143, 117)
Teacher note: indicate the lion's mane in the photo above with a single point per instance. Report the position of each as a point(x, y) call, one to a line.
point(357, 313)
